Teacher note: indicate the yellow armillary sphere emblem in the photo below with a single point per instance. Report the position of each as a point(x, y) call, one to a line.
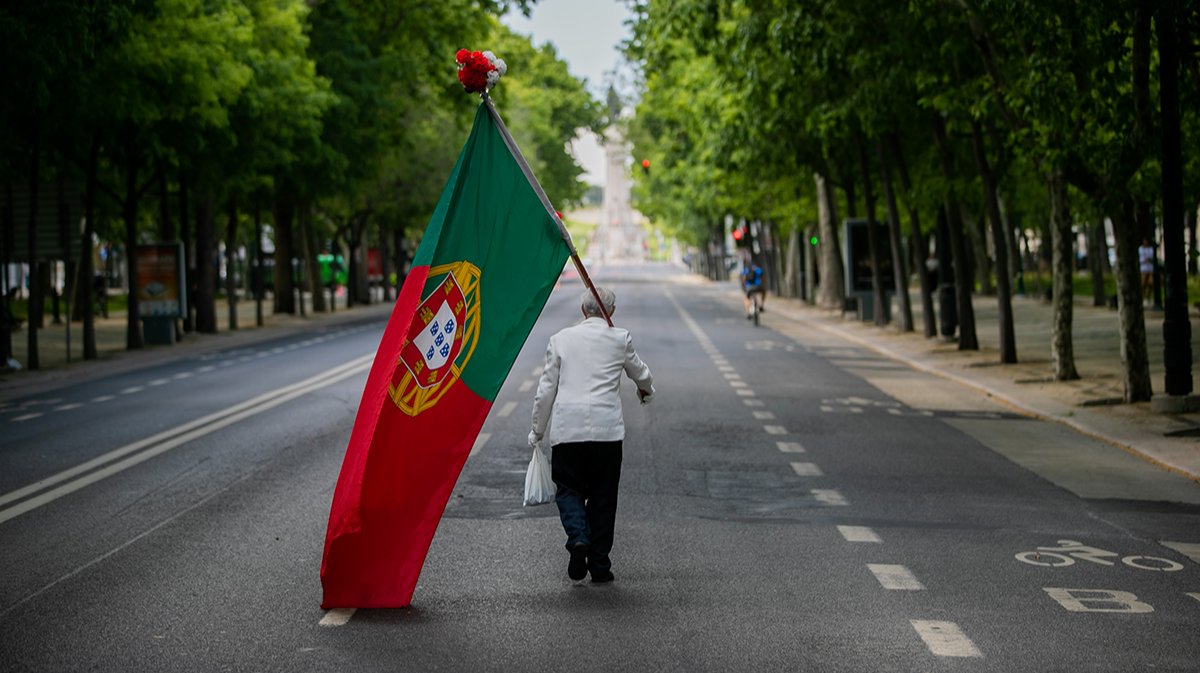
point(440, 341)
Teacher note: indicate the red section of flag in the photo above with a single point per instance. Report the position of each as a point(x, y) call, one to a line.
point(396, 477)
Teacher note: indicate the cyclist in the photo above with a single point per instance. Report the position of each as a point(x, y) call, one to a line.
point(752, 283)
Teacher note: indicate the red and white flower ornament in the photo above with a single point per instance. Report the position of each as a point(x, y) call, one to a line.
point(479, 70)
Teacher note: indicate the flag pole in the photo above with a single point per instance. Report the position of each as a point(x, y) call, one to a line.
point(537, 188)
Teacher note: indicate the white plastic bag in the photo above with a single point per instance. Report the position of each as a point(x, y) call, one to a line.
point(539, 483)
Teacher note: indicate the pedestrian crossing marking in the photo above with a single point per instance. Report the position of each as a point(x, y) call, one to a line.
point(945, 639)
point(790, 447)
point(337, 617)
point(859, 534)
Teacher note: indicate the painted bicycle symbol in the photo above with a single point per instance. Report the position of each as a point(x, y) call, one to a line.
point(1070, 551)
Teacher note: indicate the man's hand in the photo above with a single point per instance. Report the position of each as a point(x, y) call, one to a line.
point(644, 397)
point(534, 439)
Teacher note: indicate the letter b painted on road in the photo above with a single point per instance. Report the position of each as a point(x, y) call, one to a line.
point(1098, 600)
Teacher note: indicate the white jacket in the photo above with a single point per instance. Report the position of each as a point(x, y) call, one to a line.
point(578, 395)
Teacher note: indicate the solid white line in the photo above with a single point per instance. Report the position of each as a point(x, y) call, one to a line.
point(775, 429)
point(764, 415)
point(790, 447)
point(337, 617)
point(895, 577)
point(858, 534)
point(206, 424)
point(807, 470)
point(479, 442)
point(506, 409)
point(526, 385)
point(829, 496)
point(945, 639)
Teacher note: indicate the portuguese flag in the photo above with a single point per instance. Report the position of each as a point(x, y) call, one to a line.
point(485, 267)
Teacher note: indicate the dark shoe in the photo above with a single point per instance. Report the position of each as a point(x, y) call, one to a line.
point(603, 578)
point(577, 567)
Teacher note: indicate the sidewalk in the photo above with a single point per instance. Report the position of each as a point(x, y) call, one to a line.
point(114, 358)
point(1090, 405)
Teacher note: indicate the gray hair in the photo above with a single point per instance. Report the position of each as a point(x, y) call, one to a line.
point(591, 308)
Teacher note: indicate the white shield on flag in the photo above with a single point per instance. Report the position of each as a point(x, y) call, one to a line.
point(437, 339)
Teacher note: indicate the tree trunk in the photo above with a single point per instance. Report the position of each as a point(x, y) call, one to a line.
point(87, 273)
point(308, 238)
point(206, 308)
point(385, 263)
point(967, 339)
point(35, 294)
point(919, 243)
point(1189, 218)
point(1177, 331)
point(1008, 339)
point(401, 260)
point(1135, 361)
point(899, 260)
point(284, 212)
point(189, 257)
point(231, 262)
point(166, 230)
point(832, 284)
point(1095, 256)
point(1062, 264)
point(810, 265)
point(981, 261)
point(879, 313)
point(792, 267)
point(256, 247)
point(129, 209)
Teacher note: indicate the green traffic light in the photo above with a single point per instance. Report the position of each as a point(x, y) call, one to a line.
point(813, 241)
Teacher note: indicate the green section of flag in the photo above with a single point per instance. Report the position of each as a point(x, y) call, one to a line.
point(491, 216)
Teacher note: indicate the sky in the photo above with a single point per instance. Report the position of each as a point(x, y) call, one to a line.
point(587, 35)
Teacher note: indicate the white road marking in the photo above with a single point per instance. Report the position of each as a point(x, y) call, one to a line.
point(807, 470)
point(526, 385)
point(133, 389)
point(182, 375)
point(754, 403)
point(479, 442)
point(276, 351)
point(775, 429)
point(732, 375)
point(764, 415)
point(1194, 595)
point(537, 371)
point(829, 496)
point(226, 363)
point(858, 534)
point(67, 407)
point(790, 447)
point(169, 439)
point(506, 409)
point(1188, 549)
point(945, 639)
point(159, 382)
point(826, 409)
point(205, 369)
point(738, 384)
point(745, 392)
point(27, 417)
point(1076, 600)
point(895, 577)
point(337, 617)
point(104, 398)
point(263, 354)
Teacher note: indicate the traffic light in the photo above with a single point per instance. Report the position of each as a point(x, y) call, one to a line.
point(646, 166)
point(814, 241)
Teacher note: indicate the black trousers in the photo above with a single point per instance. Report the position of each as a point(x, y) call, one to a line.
point(587, 475)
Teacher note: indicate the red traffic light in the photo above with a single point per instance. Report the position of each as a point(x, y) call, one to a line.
point(646, 164)
point(738, 233)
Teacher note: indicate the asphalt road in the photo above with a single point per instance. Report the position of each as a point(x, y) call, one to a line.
point(789, 502)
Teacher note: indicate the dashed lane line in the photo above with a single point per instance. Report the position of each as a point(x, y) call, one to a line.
point(775, 429)
point(337, 617)
point(67, 407)
point(754, 403)
point(526, 385)
point(790, 447)
point(745, 392)
point(829, 496)
point(738, 384)
point(480, 440)
point(945, 639)
point(807, 470)
point(895, 577)
point(506, 409)
point(26, 417)
point(764, 415)
point(104, 398)
point(859, 534)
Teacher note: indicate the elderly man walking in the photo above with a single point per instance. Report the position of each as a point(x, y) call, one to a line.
point(578, 398)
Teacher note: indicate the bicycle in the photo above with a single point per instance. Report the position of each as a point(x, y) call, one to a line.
point(755, 307)
point(1071, 550)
